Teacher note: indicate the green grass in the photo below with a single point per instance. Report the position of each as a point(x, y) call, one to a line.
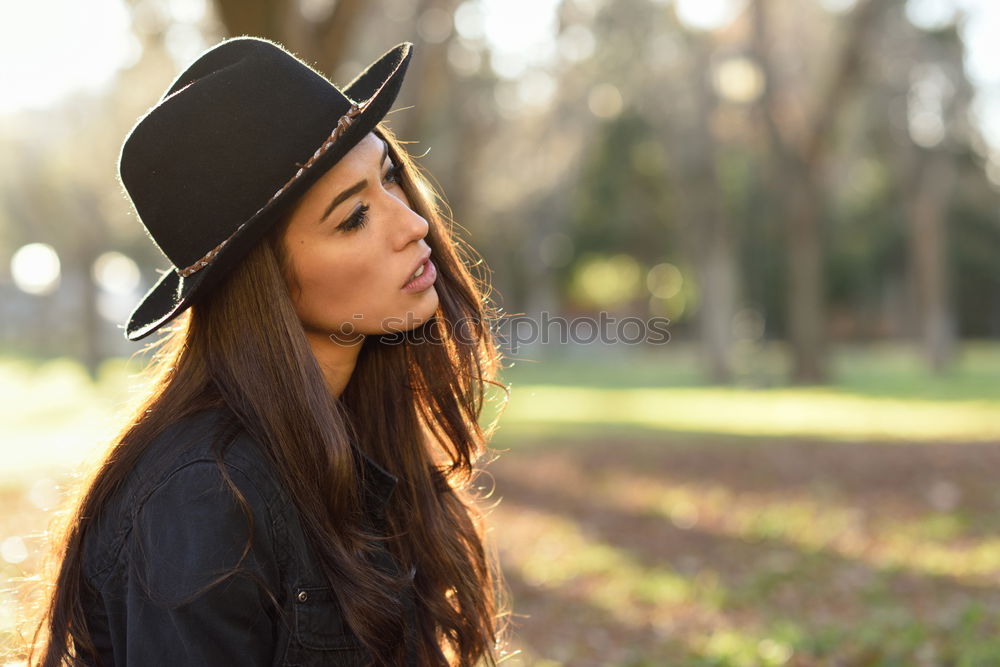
point(754, 413)
point(880, 393)
point(876, 370)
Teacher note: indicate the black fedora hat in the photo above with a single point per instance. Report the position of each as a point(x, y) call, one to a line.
point(240, 134)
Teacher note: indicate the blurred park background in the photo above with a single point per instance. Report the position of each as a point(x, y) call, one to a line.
point(808, 189)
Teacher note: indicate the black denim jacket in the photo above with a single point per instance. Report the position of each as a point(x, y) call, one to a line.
point(179, 528)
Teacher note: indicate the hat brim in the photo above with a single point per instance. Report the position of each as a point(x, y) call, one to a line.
point(173, 293)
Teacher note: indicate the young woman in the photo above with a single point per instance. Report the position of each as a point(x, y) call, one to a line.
point(296, 490)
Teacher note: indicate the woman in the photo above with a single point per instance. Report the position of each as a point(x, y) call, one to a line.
point(295, 490)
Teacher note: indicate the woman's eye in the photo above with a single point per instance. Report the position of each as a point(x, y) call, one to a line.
point(356, 219)
point(360, 216)
point(392, 176)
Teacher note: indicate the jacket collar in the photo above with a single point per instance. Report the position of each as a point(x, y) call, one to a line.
point(378, 483)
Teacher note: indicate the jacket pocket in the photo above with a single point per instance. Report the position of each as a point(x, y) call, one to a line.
point(319, 622)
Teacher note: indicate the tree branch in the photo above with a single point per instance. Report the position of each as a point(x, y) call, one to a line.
point(845, 75)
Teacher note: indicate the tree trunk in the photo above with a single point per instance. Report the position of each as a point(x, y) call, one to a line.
point(928, 259)
point(429, 84)
point(260, 18)
point(715, 262)
point(323, 43)
point(806, 311)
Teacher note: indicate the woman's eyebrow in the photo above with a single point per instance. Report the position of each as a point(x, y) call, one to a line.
point(354, 189)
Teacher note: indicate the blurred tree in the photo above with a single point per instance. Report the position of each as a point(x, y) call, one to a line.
point(932, 176)
point(324, 36)
point(918, 121)
point(430, 72)
point(938, 95)
point(713, 242)
point(649, 183)
point(799, 160)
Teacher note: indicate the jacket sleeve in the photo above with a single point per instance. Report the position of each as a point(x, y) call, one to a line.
point(189, 531)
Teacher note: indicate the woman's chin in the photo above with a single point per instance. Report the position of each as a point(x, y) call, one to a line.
point(426, 303)
point(415, 316)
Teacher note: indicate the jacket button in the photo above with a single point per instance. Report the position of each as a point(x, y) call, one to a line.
point(303, 596)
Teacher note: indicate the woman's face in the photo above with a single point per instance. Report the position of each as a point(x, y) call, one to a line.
point(353, 243)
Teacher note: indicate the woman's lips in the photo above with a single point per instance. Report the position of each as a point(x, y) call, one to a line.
point(424, 280)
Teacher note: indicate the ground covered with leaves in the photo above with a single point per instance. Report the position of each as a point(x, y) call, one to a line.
point(712, 551)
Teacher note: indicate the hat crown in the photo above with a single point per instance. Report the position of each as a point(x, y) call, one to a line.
point(232, 129)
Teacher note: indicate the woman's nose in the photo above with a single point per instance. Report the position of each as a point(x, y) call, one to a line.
point(415, 226)
point(409, 224)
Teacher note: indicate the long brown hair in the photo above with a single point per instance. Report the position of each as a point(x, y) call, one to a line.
point(413, 404)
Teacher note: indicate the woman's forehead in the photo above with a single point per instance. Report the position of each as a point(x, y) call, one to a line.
point(356, 164)
point(370, 149)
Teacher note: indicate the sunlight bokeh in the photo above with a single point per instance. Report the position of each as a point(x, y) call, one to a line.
point(36, 75)
point(35, 268)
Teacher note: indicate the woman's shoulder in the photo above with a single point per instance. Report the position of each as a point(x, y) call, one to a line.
point(199, 436)
point(179, 476)
point(211, 440)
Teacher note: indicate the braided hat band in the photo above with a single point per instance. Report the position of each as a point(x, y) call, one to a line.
point(342, 125)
